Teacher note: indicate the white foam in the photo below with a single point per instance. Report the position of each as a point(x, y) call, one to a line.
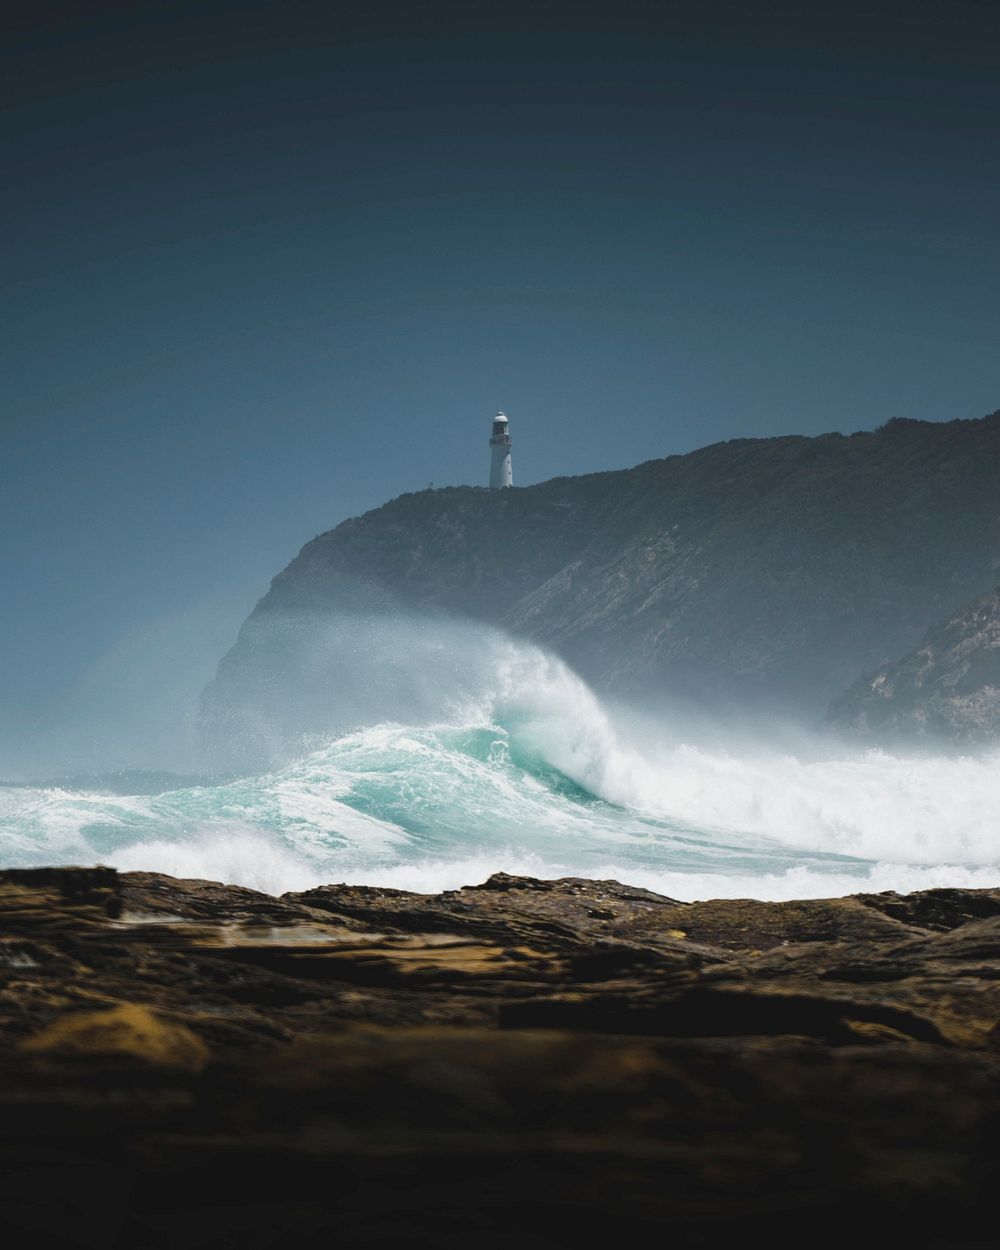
point(438, 803)
point(870, 804)
point(873, 805)
point(236, 857)
point(262, 865)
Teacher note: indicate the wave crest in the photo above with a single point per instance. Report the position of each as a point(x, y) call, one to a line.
point(514, 764)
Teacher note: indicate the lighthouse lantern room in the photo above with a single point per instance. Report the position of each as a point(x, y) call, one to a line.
point(500, 470)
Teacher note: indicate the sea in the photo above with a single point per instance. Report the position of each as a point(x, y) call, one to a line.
point(520, 767)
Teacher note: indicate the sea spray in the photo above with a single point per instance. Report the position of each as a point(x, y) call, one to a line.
point(500, 758)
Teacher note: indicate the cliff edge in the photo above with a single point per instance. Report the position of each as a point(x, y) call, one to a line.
point(757, 573)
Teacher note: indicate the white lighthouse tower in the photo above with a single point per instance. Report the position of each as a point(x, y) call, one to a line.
point(500, 470)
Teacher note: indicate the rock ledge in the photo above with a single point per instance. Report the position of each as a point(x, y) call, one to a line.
point(184, 1064)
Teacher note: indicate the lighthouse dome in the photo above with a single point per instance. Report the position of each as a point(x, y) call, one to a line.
point(500, 417)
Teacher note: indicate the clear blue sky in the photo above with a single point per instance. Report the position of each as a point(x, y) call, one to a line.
point(267, 266)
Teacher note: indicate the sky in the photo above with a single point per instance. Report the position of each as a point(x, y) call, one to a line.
point(266, 266)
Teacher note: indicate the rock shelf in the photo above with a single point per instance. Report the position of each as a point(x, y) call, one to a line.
point(520, 1063)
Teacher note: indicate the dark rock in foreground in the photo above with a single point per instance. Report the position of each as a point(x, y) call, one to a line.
point(525, 1062)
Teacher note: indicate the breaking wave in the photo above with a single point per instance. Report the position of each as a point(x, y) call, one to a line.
point(524, 770)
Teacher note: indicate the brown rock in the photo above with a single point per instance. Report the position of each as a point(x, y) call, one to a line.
point(129, 1031)
point(184, 1064)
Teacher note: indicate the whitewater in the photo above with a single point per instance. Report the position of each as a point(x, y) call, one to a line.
point(517, 766)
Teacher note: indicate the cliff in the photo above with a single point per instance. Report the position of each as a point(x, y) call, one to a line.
point(543, 1063)
point(946, 688)
point(754, 573)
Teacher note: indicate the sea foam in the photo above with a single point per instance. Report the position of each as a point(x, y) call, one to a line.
point(515, 765)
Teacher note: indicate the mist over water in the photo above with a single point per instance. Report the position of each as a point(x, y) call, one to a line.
point(437, 752)
point(133, 706)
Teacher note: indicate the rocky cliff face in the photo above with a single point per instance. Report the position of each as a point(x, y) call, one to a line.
point(948, 687)
point(766, 572)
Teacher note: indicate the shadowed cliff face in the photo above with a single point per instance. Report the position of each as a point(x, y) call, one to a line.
point(947, 687)
point(754, 573)
point(524, 1062)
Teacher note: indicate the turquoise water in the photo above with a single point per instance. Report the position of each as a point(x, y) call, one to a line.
point(437, 807)
point(526, 771)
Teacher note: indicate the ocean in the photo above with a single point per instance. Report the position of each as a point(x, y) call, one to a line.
point(519, 767)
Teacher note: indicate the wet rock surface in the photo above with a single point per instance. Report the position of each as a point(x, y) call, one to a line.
point(534, 1063)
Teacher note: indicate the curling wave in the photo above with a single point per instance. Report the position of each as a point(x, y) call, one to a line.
point(525, 771)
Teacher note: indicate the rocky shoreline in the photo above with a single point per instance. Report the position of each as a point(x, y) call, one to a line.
point(531, 1063)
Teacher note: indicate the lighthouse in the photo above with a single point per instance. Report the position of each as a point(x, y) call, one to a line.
point(500, 471)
